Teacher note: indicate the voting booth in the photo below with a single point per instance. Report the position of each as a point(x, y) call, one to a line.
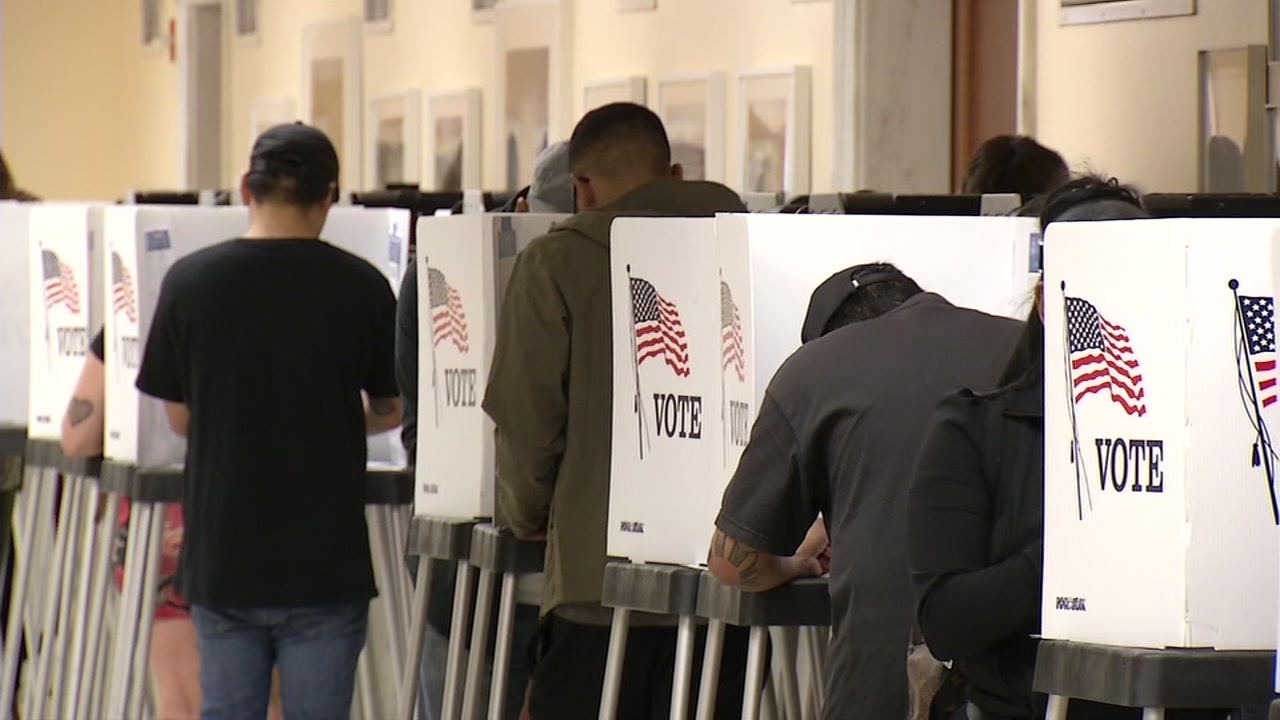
point(1160, 395)
point(697, 341)
point(464, 262)
point(142, 243)
point(64, 260)
point(15, 313)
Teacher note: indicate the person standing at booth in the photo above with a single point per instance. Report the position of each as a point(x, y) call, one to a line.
point(837, 434)
point(274, 356)
point(549, 395)
point(976, 512)
point(175, 660)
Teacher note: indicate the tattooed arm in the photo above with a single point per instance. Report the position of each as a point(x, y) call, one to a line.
point(740, 565)
point(82, 422)
point(381, 414)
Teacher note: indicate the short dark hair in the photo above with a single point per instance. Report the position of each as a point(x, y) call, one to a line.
point(887, 288)
point(287, 190)
point(620, 139)
point(1014, 164)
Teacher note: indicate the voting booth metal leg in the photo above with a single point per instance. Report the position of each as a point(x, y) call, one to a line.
point(813, 639)
point(141, 672)
point(129, 612)
point(787, 677)
point(457, 639)
point(710, 670)
point(409, 675)
point(24, 534)
point(98, 598)
point(502, 649)
point(68, 668)
point(1153, 714)
point(479, 642)
point(1057, 709)
point(682, 681)
point(364, 689)
point(751, 696)
point(613, 666)
point(54, 607)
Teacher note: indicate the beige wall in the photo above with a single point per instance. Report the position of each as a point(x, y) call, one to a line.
point(1122, 97)
point(85, 111)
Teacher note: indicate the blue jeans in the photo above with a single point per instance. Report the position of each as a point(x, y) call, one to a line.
point(316, 649)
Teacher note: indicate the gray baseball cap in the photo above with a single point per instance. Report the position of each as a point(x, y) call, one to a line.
point(552, 188)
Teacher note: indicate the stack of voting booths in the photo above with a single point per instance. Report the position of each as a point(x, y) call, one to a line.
point(87, 267)
point(1160, 553)
point(696, 343)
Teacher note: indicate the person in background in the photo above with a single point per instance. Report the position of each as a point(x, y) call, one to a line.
point(274, 356)
point(1014, 164)
point(548, 395)
point(550, 192)
point(9, 189)
point(976, 512)
point(837, 433)
point(175, 660)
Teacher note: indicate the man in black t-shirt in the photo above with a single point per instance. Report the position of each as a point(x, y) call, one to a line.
point(274, 354)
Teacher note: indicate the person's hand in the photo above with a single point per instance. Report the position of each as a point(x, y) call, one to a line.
point(813, 557)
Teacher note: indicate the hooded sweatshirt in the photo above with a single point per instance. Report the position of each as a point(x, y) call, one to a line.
point(550, 391)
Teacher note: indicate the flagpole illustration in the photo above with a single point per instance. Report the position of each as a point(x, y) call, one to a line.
point(1263, 440)
point(1077, 457)
point(48, 346)
point(724, 425)
point(635, 361)
point(435, 388)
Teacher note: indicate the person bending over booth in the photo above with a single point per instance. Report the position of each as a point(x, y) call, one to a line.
point(837, 434)
point(175, 660)
point(549, 397)
point(976, 513)
point(274, 356)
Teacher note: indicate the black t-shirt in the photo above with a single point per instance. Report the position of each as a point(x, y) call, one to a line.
point(838, 433)
point(269, 343)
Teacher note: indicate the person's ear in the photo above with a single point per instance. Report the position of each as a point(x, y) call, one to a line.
point(522, 205)
point(245, 195)
point(677, 171)
point(585, 193)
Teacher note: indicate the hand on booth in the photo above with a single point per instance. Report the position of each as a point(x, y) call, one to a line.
point(737, 564)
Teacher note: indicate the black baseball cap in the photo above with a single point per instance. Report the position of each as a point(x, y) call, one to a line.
point(831, 294)
point(298, 151)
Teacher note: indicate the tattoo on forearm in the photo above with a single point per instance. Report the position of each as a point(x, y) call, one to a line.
point(382, 406)
point(744, 559)
point(79, 410)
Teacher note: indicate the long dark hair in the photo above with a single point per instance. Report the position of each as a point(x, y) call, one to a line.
point(1086, 198)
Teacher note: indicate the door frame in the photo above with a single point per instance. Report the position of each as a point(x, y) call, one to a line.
point(184, 37)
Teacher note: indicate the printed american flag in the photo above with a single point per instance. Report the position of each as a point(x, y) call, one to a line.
point(731, 332)
point(659, 331)
point(448, 318)
point(60, 286)
point(123, 299)
point(1102, 358)
point(1259, 315)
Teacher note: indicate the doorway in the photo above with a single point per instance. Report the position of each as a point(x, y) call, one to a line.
point(984, 77)
point(202, 69)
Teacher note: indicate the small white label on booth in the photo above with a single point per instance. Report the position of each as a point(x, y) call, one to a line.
point(63, 306)
point(463, 262)
point(15, 312)
point(1160, 392)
